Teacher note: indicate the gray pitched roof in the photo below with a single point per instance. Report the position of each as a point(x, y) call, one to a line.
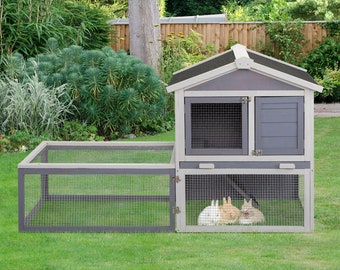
point(228, 57)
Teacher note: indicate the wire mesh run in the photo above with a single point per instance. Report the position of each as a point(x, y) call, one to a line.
point(265, 200)
point(76, 201)
point(91, 187)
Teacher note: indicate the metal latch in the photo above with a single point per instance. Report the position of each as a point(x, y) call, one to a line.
point(245, 99)
point(176, 179)
point(175, 210)
point(257, 152)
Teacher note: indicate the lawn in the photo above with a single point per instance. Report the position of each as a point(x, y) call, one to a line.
point(317, 250)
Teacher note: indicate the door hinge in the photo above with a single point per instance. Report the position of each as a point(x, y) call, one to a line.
point(257, 152)
point(245, 99)
point(175, 210)
point(176, 179)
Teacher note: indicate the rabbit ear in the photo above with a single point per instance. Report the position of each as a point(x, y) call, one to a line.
point(212, 203)
point(229, 200)
point(245, 200)
point(224, 200)
point(251, 201)
point(216, 203)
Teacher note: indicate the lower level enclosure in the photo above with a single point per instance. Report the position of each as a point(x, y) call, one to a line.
point(140, 196)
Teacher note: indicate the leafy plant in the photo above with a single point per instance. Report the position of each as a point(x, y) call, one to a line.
point(331, 84)
point(32, 107)
point(76, 131)
point(26, 25)
point(313, 10)
point(180, 51)
point(21, 141)
point(287, 41)
point(326, 55)
point(260, 10)
point(112, 91)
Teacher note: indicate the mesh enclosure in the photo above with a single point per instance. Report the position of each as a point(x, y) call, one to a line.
point(97, 187)
point(216, 125)
point(278, 198)
point(97, 200)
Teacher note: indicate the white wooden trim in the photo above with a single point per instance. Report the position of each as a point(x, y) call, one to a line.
point(238, 93)
point(107, 143)
point(244, 158)
point(243, 171)
point(202, 62)
point(201, 78)
point(140, 166)
point(179, 127)
point(244, 63)
point(31, 156)
point(242, 228)
point(309, 126)
point(180, 202)
point(277, 60)
point(251, 125)
point(279, 75)
point(240, 51)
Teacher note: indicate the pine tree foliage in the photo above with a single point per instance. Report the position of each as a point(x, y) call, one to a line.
point(113, 91)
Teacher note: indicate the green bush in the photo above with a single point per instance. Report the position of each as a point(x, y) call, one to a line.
point(76, 131)
point(331, 84)
point(32, 107)
point(180, 51)
point(287, 41)
point(326, 55)
point(26, 25)
point(112, 91)
point(21, 141)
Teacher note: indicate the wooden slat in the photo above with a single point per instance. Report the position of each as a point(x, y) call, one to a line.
point(220, 34)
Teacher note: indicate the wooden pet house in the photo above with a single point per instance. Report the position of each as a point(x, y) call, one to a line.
point(242, 160)
point(244, 130)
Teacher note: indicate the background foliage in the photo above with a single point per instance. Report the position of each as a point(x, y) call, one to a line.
point(112, 91)
point(52, 53)
point(32, 107)
point(26, 25)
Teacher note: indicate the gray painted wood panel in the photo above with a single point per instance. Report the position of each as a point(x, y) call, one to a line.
point(279, 125)
point(244, 80)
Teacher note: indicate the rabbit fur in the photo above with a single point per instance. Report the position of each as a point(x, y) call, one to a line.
point(210, 215)
point(229, 213)
point(250, 214)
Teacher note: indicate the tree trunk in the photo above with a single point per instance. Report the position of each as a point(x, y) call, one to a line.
point(145, 31)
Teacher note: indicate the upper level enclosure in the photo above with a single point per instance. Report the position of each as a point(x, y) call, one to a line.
point(219, 125)
point(242, 103)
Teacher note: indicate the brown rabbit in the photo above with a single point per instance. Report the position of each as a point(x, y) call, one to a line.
point(229, 213)
point(250, 214)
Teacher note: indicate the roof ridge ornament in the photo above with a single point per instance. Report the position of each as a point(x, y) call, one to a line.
point(242, 58)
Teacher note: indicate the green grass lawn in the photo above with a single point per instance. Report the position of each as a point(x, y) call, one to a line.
point(317, 250)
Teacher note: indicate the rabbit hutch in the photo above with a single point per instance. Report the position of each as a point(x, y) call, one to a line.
point(244, 132)
point(242, 160)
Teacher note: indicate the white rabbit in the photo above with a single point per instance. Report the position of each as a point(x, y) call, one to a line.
point(210, 215)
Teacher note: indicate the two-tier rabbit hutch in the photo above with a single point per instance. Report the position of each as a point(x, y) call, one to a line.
point(244, 130)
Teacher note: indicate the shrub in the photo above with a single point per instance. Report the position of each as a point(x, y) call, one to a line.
point(331, 84)
point(32, 107)
point(76, 131)
point(21, 141)
point(326, 55)
point(287, 41)
point(26, 25)
point(180, 51)
point(112, 91)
